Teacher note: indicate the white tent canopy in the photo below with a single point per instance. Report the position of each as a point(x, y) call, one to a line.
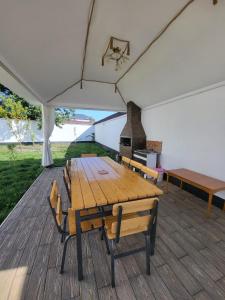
point(43, 53)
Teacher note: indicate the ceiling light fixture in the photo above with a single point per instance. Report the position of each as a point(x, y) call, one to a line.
point(117, 51)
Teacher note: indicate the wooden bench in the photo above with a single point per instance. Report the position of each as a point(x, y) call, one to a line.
point(208, 184)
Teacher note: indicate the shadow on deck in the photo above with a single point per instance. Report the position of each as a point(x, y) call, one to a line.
point(189, 261)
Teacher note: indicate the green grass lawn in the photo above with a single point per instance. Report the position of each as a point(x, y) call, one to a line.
point(17, 175)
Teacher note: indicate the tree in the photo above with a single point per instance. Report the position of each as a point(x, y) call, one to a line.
point(33, 112)
point(16, 116)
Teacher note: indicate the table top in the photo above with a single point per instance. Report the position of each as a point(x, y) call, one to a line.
point(98, 181)
point(205, 182)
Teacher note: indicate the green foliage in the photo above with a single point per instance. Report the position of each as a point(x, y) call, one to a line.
point(11, 109)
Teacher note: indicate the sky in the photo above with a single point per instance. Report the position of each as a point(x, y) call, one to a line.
point(96, 114)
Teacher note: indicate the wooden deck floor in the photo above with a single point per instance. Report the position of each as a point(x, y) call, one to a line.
point(189, 261)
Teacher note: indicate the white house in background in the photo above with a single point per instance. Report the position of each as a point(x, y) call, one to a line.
point(76, 130)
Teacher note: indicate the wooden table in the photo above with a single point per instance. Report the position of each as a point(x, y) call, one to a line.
point(208, 184)
point(100, 181)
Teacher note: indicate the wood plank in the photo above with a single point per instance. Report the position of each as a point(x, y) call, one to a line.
point(213, 259)
point(200, 180)
point(88, 288)
point(36, 283)
point(141, 289)
point(115, 179)
point(70, 284)
point(7, 275)
point(110, 190)
point(98, 254)
point(107, 293)
point(171, 243)
point(129, 263)
point(189, 282)
point(53, 285)
point(209, 268)
point(96, 190)
point(76, 192)
point(207, 283)
point(88, 197)
point(202, 296)
point(173, 284)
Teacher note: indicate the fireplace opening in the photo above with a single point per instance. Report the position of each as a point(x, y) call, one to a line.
point(125, 141)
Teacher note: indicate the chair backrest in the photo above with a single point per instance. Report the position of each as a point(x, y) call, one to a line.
point(88, 155)
point(67, 182)
point(154, 175)
point(55, 203)
point(135, 164)
point(71, 221)
point(125, 160)
point(58, 211)
point(54, 194)
point(134, 224)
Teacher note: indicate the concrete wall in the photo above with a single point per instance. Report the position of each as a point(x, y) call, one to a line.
point(108, 133)
point(68, 133)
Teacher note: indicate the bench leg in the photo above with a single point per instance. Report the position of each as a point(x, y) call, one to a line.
point(167, 183)
point(181, 184)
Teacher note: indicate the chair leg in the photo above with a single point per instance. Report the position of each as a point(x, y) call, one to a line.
point(102, 234)
point(64, 229)
point(112, 264)
point(106, 241)
point(64, 253)
point(148, 254)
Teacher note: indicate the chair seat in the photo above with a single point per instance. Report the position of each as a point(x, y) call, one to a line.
point(131, 224)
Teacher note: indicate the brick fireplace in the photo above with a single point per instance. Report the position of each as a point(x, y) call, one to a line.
point(133, 135)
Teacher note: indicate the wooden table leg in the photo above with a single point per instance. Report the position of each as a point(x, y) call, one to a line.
point(79, 246)
point(167, 183)
point(210, 204)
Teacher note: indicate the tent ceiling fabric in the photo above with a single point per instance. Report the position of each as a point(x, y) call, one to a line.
point(43, 43)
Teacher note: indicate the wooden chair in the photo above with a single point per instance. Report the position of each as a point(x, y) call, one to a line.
point(85, 227)
point(125, 161)
point(154, 175)
point(67, 182)
point(89, 155)
point(124, 222)
point(56, 208)
point(61, 217)
point(135, 165)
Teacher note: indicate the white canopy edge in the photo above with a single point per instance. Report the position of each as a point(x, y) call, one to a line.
point(15, 83)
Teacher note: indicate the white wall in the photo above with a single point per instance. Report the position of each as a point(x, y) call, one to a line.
point(108, 133)
point(68, 133)
point(72, 132)
point(191, 127)
point(192, 130)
